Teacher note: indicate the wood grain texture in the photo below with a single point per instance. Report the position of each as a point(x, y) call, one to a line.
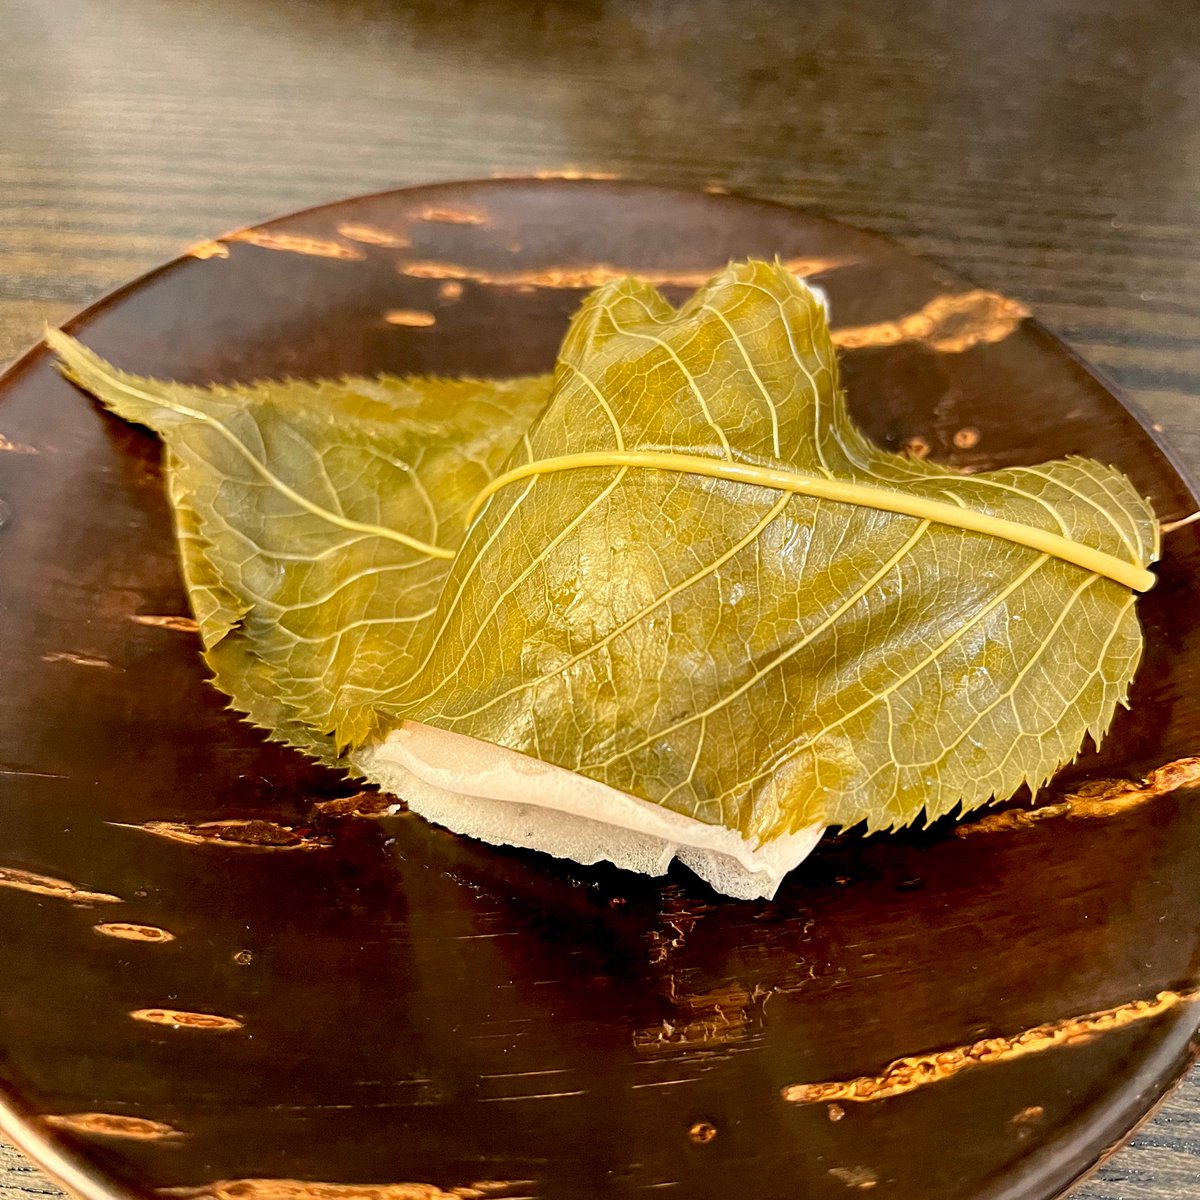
point(1048, 151)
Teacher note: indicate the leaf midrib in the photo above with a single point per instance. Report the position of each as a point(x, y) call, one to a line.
point(844, 491)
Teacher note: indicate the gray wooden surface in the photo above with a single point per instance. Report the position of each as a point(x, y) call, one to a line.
point(1048, 148)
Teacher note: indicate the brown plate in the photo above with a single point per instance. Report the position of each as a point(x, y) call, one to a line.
point(220, 978)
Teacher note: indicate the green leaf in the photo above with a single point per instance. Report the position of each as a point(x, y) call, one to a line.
point(315, 522)
point(690, 578)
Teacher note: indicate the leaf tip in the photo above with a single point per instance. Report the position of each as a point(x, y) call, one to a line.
point(70, 353)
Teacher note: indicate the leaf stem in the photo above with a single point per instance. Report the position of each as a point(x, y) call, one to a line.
point(842, 491)
point(1170, 526)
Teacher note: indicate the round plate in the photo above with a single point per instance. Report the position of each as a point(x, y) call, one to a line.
point(225, 974)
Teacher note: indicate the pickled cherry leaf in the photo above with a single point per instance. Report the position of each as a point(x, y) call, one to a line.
point(674, 567)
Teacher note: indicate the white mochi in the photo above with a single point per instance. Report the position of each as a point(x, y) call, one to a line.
point(510, 799)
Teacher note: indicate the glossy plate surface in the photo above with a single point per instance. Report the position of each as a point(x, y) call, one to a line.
point(226, 975)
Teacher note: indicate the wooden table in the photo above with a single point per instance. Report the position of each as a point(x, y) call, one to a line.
point(1048, 150)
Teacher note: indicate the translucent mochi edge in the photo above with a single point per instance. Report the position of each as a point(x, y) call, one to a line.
point(507, 798)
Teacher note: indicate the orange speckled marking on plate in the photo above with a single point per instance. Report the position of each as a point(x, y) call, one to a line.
point(113, 1125)
point(445, 215)
point(949, 324)
point(78, 660)
point(46, 885)
point(918, 1071)
point(242, 834)
point(413, 318)
point(303, 1189)
point(295, 243)
point(179, 624)
point(861, 1179)
point(208, 249)
point(362, 804)
point(565, 173)
point(133, 933)
point(1101, 798)
point(593, 275)
point(181, 1019)
point(371, 236)
point(8, 446)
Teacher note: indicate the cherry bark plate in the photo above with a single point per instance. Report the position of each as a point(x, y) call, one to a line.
point(225, 974)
